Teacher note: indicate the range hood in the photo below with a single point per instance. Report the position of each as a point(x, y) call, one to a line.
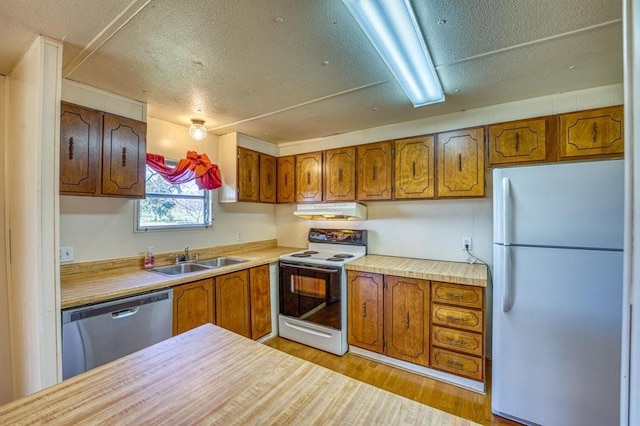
point(331, 211)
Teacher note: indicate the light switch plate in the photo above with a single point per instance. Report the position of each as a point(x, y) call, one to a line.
point(66, 254)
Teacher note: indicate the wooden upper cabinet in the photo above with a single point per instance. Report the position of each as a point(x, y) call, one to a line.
point(374, 171)
point(260, 291)
point(248, 175)
point(340, 174)
point(596, 132)
point(193, 305)
point(365, 315)
point(124, 149)
point(309, 177)
point(415, 168)
point(267, 178)
point(460, 159)
point(232, 302)
point(523, 141)
point(286, 179)
point(79, 150)
point(406, 319)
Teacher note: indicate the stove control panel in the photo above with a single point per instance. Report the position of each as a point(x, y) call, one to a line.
point(357, 237)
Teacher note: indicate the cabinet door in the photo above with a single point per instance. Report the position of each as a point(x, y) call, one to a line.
point(193, 305)
point(414, 171)
point(248, 175)
point(515, 142)
point(260, 288)
point(124, 149)
point(406, 319)
point(309, 177)
point(461, 163)
point(365, 310)
point(267, 178)
point(232, 302)
point(596, 132)
point(286, 178)
point(340, 174)
point(374, 171)
point(79, 150)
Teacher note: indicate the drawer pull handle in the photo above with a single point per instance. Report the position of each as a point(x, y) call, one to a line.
point(406, 320)
point(594, 132)
point(461, 342)
point(71, 148)
point(374, 172)
point(340, 175)
point(517, 141)
point(460, 162)
point(456, 296)
point(451, 318)
point(413, 168)
point(308, 178)
point(364, 309)
point(455, 364)
point(124, 156)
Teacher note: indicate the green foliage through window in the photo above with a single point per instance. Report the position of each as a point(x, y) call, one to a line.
point(168, 206)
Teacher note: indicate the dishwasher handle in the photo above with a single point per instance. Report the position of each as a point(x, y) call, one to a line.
point(117, 308)
point(124, 313)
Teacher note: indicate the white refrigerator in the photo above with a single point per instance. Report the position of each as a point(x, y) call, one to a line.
point(557, 296)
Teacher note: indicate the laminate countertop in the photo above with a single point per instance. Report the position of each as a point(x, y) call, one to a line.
point(209, 375)
point(434, 270)
point(82, 285)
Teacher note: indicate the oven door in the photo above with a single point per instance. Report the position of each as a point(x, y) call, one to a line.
point(311, 293)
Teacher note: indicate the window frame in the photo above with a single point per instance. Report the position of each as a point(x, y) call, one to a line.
point(207, 201)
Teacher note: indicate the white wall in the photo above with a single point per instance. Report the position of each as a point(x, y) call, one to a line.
point(32, 205)
point(432, 229)
point(6, 387)
point(102, 228)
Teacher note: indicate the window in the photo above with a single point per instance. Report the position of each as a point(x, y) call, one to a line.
point(169, 206)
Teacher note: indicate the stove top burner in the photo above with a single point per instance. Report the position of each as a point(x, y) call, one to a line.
point(343, 256)
point(335, 259)
point(310, 252)
point(301, 255)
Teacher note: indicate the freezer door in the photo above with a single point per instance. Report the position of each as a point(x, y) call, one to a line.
point(566, 205)
point(556, 349)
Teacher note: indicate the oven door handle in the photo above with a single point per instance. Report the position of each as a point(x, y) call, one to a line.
point(310, 268)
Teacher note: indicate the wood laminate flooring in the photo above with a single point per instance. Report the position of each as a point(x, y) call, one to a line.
point(449, 398)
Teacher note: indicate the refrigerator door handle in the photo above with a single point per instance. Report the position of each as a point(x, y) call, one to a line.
point(507, 301)
point(506, 211)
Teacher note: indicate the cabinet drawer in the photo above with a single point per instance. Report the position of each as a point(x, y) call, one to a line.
point(457, 340)
point(462, 365)
point(455, 294)
point(451, 316)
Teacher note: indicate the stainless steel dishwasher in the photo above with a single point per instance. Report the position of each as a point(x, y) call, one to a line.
point(97, 334)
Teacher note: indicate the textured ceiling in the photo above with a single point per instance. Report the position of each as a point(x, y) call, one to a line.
point(287, 70)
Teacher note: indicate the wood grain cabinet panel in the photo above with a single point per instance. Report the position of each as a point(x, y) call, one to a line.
point(193, 305)
point(415, 168)
point(460, 159)
point(79, 150)
point(592, 133)
point(232, 302)
point(365, 310)
point(248, 175)
point(458, 317)
point(267, 178)
point(260, 292)
point(286, 179)
point(456, 363)
point(406, 319)
point(309, 177)
point(456, 294)
point(374, 171)
point(124, 157)
point(340, 174)
point(523, 141)
point(457, 340)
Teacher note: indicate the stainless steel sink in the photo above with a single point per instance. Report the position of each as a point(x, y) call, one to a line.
point(219, 262)
point(180, 268)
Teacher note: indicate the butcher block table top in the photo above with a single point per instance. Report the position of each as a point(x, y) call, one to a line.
point(212, 376)
point(434, 270)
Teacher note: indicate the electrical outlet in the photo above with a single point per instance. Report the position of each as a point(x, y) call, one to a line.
point(466, 243)
point(239, 236)
point(66, 254)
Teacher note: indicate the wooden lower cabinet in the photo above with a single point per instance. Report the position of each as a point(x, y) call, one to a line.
point(232, 302)
point(432, 324)
point(458, 329)
point(260, 292)
point(193, 305)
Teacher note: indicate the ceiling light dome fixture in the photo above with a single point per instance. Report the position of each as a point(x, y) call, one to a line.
point(197, 131)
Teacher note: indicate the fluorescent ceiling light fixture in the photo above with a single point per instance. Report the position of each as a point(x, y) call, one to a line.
point(392, 28)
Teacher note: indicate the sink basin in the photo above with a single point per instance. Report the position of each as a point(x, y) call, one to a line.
point(181, 268)
point(219, 262)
